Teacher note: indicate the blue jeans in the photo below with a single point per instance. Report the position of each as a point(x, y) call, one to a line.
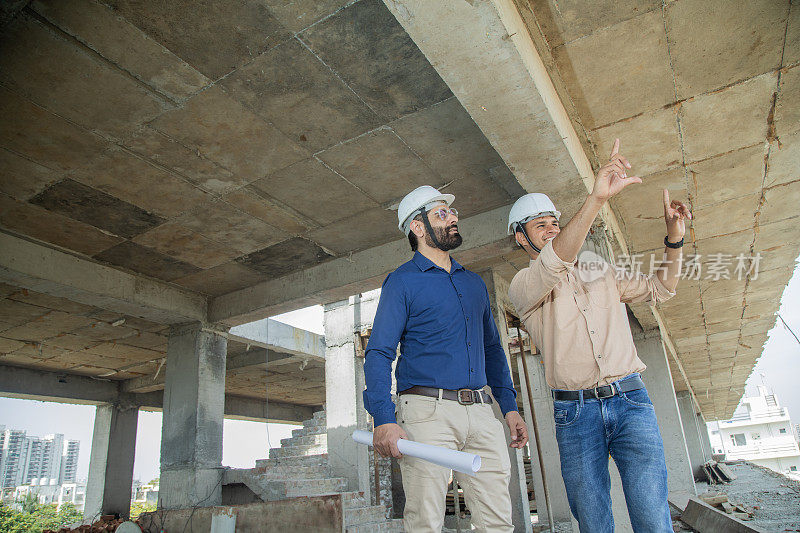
point(624, 427)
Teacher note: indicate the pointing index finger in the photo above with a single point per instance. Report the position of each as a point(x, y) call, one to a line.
point(666, 199)
point(615, 149)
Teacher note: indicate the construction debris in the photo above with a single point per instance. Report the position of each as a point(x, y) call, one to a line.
point(106, 524)
point(717, 473)
point(720, 501)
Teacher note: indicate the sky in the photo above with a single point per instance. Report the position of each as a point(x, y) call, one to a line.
point(244, 442)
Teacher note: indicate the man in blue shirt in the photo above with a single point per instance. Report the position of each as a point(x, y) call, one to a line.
point(450, 350)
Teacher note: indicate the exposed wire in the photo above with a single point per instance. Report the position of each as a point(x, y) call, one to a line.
point(789, 328)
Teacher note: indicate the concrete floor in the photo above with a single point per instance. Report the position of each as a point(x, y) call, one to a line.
point(774, 499)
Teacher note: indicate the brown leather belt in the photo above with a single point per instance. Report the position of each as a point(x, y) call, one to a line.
point(462, 396)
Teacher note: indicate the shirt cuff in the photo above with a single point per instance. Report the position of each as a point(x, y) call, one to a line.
point(552, 262)
point(385, 417)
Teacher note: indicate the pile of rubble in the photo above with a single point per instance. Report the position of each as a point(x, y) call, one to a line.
point(720, 501)
point(106, 524)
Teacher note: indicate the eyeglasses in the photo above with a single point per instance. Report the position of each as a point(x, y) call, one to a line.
point(444, 212)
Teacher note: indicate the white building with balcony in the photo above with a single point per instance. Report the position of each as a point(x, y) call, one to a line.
point(760, 432)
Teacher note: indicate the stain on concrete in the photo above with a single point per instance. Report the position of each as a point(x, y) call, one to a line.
point(146, 261)
point(23, 178)
point(213, 37)
point(295, 91)
point(262, 206)
point(101, 210)
point(54, 228)
point(374, 55)
point(285, 257)
point(178, 241)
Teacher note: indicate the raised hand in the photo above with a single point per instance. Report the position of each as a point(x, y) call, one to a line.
point(675, 214)
point(613, 176)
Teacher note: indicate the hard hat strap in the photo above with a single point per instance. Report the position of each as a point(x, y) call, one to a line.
point(429, 229)
point(521, 228)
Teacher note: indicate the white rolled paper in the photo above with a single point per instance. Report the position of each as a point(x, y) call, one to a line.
point(467, 463)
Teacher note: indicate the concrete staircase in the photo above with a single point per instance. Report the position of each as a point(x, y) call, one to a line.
point(299, 468)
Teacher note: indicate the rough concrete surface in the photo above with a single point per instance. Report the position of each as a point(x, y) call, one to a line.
point(773, 498)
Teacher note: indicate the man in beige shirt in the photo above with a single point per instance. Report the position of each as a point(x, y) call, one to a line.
point(576, 318)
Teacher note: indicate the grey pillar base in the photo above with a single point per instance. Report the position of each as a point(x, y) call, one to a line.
point(344, 384)
point(658, 380)
point(194, 402)
point(190, 487)
point(108, 490)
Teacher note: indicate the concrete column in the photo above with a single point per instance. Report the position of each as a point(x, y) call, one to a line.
point(658, 380)
point(108, 490)
point(497, 288)
point(557, 514)
point(705, 438)
point(344, 385)
point(691, 430)
point(194, 403)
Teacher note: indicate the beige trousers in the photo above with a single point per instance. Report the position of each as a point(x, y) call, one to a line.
point(468, 428)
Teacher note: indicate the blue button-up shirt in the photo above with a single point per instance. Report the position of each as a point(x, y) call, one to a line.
point(447, 335)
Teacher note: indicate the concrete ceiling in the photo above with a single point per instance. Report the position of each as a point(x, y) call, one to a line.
point(163, 163)
point(703, 96)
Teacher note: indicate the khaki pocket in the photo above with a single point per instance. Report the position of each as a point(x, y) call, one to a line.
point(414, 409)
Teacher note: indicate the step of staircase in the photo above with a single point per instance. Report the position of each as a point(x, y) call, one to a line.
point(320, 459)
point(298, 451)
point(314, 487)
point(306, 440)
point(311, 430)
point(281, 471)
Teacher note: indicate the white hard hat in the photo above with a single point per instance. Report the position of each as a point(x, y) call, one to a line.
point(416, 200)
point(530, 206)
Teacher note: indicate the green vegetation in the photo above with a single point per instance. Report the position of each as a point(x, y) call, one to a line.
point(138, 508)
point(36, 517)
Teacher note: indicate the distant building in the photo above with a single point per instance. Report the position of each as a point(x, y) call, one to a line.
point(761, 432)
point(27, 460)
point(74, 493)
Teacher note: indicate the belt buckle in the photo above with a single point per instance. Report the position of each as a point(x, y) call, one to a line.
point(465, 397)
point(597, 392)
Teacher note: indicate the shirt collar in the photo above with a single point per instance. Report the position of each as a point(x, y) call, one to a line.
point(423, 263)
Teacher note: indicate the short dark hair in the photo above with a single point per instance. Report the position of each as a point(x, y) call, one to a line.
point(412, 239)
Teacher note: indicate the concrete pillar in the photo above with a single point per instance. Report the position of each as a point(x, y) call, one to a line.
point(194, 403)
point(344, 385)
point(691, 430)
point(658, 380)
point(108, 490)
point(552, 505)
point(705, 438)
point(497, 288)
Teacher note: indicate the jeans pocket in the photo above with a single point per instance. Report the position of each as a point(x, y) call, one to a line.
point(566, 412)
point(414, 409)
point(638, 397)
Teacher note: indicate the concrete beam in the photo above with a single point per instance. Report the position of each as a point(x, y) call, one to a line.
point(45, 386)
point(484, 237)
point(29, 384)
point(280, 337)
point(42, 269)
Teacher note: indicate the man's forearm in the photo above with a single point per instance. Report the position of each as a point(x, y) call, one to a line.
point(568, 243)
point(669, 272)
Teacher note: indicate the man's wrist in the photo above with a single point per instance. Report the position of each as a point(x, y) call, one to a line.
point(673, 242)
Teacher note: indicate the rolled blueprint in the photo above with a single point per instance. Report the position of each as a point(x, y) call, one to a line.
point(467, 463)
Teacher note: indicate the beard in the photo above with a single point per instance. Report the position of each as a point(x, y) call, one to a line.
point(448, 239)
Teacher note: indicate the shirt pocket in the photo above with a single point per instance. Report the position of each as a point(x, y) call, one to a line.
point(416, 409)
point(598, 293)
